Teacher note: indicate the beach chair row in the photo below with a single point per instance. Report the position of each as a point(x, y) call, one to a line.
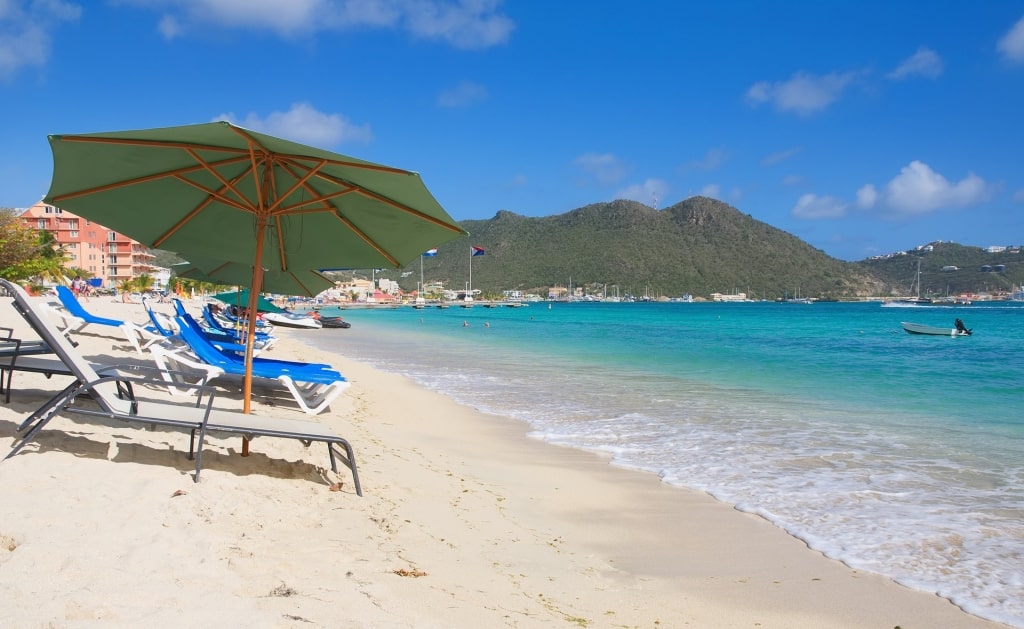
point(112, 392)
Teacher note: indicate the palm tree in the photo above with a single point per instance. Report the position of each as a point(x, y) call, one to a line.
point(144, 282)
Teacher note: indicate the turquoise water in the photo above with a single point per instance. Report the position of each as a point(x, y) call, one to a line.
point(895, 453)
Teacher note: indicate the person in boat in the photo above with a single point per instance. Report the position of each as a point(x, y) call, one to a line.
point(961, 328)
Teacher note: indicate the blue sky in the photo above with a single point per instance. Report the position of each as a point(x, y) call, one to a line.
point(861, 127)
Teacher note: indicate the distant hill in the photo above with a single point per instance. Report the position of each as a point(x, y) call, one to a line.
point(699, 246)
point(949, 269)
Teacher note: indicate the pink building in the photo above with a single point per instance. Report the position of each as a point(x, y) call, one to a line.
point(106, 254)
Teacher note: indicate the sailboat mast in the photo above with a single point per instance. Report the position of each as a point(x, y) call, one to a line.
point(919, 279)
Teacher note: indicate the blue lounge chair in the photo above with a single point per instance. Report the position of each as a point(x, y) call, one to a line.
point(214, 322)
point(165, 327)
point(263, 340)
point(74, 314)
point(313, 385)
point(113, 398)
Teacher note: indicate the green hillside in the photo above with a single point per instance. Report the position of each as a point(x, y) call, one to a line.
point(900, 271)
point(699, 246)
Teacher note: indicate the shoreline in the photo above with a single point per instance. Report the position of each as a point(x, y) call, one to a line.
point(466, 521)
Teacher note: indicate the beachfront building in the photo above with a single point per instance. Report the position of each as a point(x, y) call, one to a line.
point(732, 297)
point(112, 257)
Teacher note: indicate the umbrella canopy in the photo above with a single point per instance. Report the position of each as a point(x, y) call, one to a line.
point(308, 283)
point(220, 190)
point(238, 297)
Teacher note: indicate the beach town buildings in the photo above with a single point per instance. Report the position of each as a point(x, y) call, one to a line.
point(106, 254)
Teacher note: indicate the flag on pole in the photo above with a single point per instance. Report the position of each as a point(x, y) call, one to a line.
point(477, 251)
point(430, 253)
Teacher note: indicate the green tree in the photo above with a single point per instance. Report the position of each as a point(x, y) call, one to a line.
point(18, 244)
point(52, 257)
point(26, 253)
point(144, 282)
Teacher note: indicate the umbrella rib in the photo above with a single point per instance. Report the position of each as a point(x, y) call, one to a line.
point(159, 241)
point(369, 241)
point(353, 188)
point(177, 173)
point(162, 144)
point(214, 195)
point(365, 166)
point(395, 204)
point(300, 181)
point(211, 195)
point(216, 174)
point(300, 283)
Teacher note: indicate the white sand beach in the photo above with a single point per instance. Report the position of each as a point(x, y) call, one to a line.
point(465, 522)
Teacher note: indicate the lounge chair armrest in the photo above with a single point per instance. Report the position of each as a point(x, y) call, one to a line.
point(158, 380)
point(126, 389)
point(10, 333)
point(156, 371)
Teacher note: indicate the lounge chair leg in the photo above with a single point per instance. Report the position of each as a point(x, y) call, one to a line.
point(350, 462)
point(199, 451)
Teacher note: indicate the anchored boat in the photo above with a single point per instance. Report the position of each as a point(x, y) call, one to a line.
point(958, 329)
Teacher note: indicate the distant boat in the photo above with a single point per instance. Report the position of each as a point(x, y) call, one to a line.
point(334, 322)
point(919, 328)
point(917, 299)
point(292, 320)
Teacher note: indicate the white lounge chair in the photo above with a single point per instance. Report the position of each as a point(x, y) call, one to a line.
point(114, 398)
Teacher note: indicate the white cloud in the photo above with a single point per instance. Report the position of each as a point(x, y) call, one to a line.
point(792, 180)
point(463, 24)
point(803, 94)
point(1012, 44)
point(867, 196)
point(303, 123)
point(169, 27)
point(920, 190)
point(811, 206)
point(1018, 196)
point(712, 191)
point(462, 95)
point(712, 160)
point(925, 62)
point(650, 192)
point(25, 32)
point(604, 167)
point(460, 23)
point(518, 181)
point(780, 156)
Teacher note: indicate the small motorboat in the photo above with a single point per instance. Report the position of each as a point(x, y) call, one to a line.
point(292, 320)
point(958, 329)
point(334, 322)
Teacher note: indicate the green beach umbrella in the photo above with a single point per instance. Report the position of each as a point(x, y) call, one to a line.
point(307, 283)
point(241, 297)
point(234, 194)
